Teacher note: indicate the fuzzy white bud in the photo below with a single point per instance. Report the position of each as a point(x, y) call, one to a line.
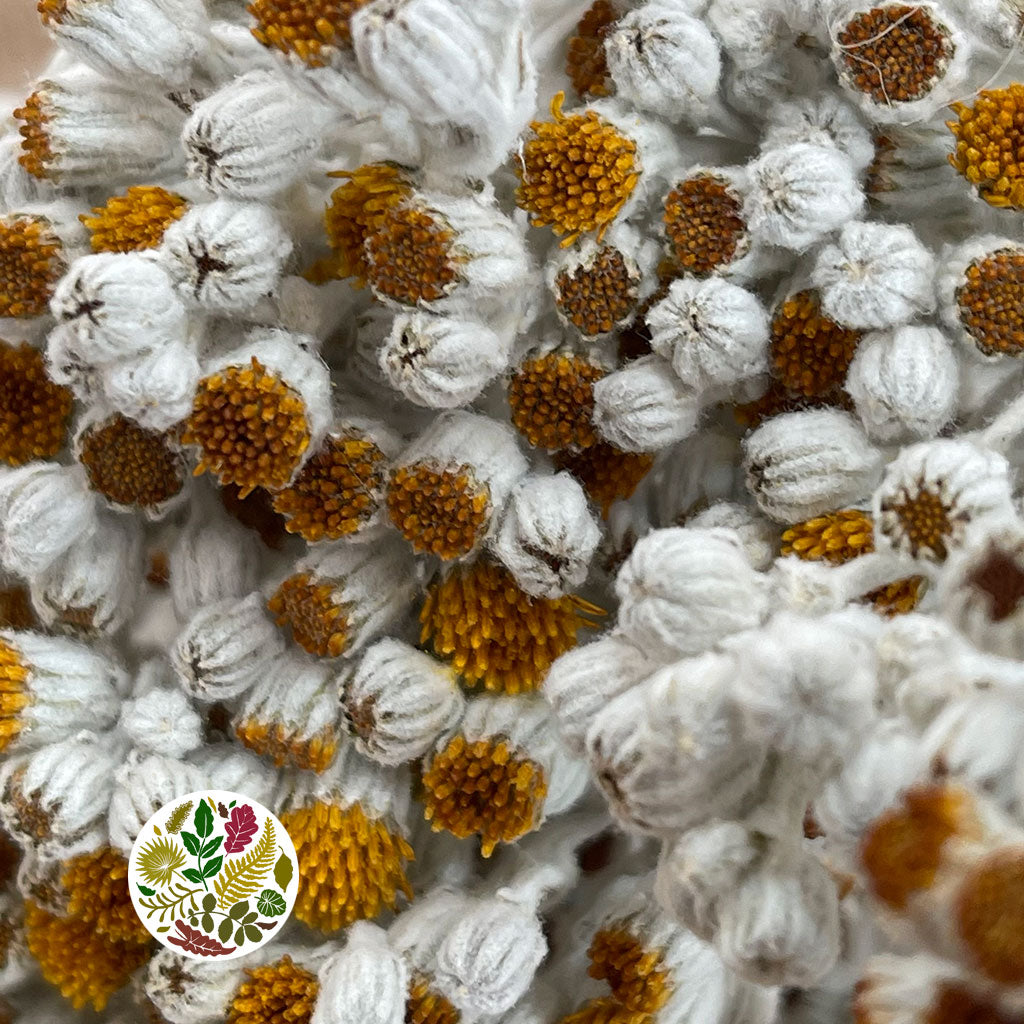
point(822, 118)
point(189, 991)
point(162, 721)
point(758, 535)
point(156, 388)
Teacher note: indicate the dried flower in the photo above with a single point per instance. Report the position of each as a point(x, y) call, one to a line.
point(33, 410)
point(596, 286)
point(312, 33)
point(703, 222)
point(988, 143)
point(32, 260)
point(586, 63)
point(282, 990)
point(607, 473)
point(135, 220)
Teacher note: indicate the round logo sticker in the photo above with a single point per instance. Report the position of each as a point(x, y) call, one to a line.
point(213, 874)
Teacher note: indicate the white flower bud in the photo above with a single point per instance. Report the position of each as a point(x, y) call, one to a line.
point(141, 786)
point(442, 362)
point(156, 388)
point(749, 32)
point(801, 464)
point(66, 687)
point(683, 589)
point(904, 384)
point(822, 118)
point(664, 61)
point(715, 333)
point(89, 131)
point(399, 701)
point(162, 721)
point(254, 137)
point(548, 535)
point(189, 991)
point(53, 801)
point(225, 648)
point(799, 194)
point(44, 510)
point(487, 961)
point(875, 275)
point(18, 188)
point(226, 255)
point(675, 751)
point(113, 306)
point(95, 583)
point(231, 767)
point(644, 407)
point(758, 536)
point(132, 39)
point(583, 681)
point(365, 983)
point(934, 493)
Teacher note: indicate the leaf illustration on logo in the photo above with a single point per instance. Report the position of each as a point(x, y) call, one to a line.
point(177, 818)
point(145, 891)
point(271, 903)
point(240, 829)
point(194, 941)
point(203, 820)
point(283, 872)
point(222, 810)
point(171, 900)
point(159, 859)
point(245, 876)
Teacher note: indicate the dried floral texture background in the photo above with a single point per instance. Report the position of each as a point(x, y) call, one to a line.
point(562, 458)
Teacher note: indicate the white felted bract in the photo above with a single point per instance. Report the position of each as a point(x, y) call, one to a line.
point(254, 137)
point(714, 333)
point(583, 681)
point(487, 961)
point(644, 406)
point(70, 687)
point(114, 306)
point(675, 751)
point(801, 464)
point(548, 535)
point(904, 384)
point(748, 30)
point(226, 255)
point(800, 193)
point(684, 589)
point(190, 991)
point(230, 766)
point(821, 118)
point(225, 647)
point(365, 983)
point(399, 701)
point(758, 536)
point(162, 721)
point(664, 61)
point(875, 275)
point(45, 508)
point(442, 362)
point(156, 388)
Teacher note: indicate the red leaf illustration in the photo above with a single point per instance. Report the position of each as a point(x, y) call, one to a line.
point(192, 940)
point(240, 828)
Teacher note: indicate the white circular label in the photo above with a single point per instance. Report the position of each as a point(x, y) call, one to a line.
point(213, 874)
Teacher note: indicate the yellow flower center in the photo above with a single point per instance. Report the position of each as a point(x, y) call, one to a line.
point(990, 302)
point(309, 606)
point(37, 156)
point(598, 294)
point(134, 221)
point(283, 746)
point(97, 888)
point(704, 223)
point(14, 695)
point(308, 28)
point(586, 63)
point(31, 264)
point(605, 472)
point(552, 401)
point(637, 976)
point(278, 993)
point(33, 410)
point(990, 145)
point(990, 916)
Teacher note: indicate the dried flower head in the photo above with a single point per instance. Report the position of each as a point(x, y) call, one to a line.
point(703, 221)
point(552, 400)
point(989, 909)
point(810, 352)
point(31, 264)
point(425, 1005)
point(586, 63)
point(604, 1010)
point(895, 53)
point(441, 511)
point(338, 491)
point(483, 788)
point(638, 977)
point(33, 410)
point(135, 220)
point(309, 30)
point(576, 172)
point(309, 606)
point(989, 302)
point(86, 966)
point(250, 426)
point(14, 695)
point(351, 865)
point(97, 894)
point(494, 632)
point(37, 156)
point(275, 993)
point(598, 292)
point(902, 850)
point(130, 465)
point(256, 512)
point(606, 473)
point(989, 144)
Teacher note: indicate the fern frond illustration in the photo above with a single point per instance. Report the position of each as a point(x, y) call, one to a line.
point(171, 901)
point(244, 876)
point(159, 859)
point(177, 818)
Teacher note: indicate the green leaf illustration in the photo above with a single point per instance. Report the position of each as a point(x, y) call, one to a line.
point(159, 859)
point(145, 891)
point(203, 820)
point(192, 843)
point(164, 928)
point(224, 931)
point(283, 872)
point(171, 901)
point(271, 903)
point(252, 933)
point(192, 875)
point(177, 818)
point(210, 848)
point(239, 910)
point(240, 937)
point(211, 867)
point(209, 901)
point(244, 876)
point(207, 923)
